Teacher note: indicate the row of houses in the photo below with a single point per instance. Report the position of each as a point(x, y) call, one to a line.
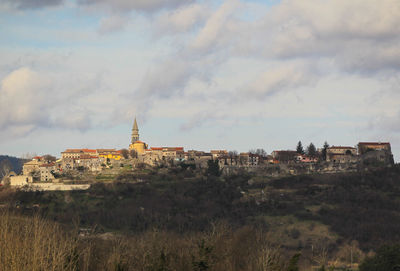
point(165, 156)
point(170, 155)
point(42, 169)
point(334, 154)
point(160, 156)
point(94, 153)
point(95, 160)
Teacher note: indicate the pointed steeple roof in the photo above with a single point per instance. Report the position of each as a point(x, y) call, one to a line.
point(135, 132)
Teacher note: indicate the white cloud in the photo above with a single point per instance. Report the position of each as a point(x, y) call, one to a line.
point(23, 98)
point(31, 100)
point(299, 42)
point(182, 19)
point(213, 30)
point(271, 82)
point(361, 36)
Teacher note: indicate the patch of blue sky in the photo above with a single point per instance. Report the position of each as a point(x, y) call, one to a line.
point(43, 28)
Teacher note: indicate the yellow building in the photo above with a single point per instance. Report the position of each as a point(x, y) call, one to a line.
point(136, 144)
point(110, 154)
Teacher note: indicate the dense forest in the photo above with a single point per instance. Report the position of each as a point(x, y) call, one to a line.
point(323, 219)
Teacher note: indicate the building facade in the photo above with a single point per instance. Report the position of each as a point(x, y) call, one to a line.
point(364, 147)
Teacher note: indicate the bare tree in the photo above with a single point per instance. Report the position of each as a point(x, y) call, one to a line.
point(232, 154)
point(125, 153)
point(5, 167)
point(261, 152)
point(133, 153)
point(49, 158)
point(320, 251)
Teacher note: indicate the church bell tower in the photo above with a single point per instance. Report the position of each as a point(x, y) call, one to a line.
point(135, 132)
point(138, 146)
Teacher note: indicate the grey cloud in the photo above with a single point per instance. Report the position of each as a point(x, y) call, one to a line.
point(359, 36)
point(197, 121)
point(78, 120)
point(162, 82)
point(33, 4)
point(113, 23)
point(206, 117)
point(324, 37)
point(370, 59)
point(166, 80)
point(140, 5)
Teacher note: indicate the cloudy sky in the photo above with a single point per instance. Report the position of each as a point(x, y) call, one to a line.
point(233, 74)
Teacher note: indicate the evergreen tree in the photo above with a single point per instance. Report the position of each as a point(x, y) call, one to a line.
point(324, 150)
point(299, 148)
point(213, 167)
point(311, 150)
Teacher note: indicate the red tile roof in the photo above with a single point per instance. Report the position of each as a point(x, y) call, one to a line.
point(218, 151)
point(341, 147)
point(79, 150)
point(89, 150)
point(374, 143)
point(72, 150)
point(166, 148)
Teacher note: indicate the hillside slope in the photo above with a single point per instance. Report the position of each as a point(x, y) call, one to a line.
point(327, 216)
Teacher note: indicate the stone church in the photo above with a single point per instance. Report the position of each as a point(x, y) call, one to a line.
point(136, 144)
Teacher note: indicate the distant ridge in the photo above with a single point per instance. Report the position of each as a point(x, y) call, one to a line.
point(10, 163)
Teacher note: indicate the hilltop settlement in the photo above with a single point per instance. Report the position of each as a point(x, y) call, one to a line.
point(49, 173)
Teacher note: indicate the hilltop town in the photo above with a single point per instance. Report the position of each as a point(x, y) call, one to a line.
point(48, 172)
point(308, 199)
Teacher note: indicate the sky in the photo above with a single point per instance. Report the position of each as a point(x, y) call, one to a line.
point(229, 74)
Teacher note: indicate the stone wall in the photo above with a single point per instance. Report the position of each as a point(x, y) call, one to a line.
point(20, 180)
point(278, 170)
point(55, 187)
